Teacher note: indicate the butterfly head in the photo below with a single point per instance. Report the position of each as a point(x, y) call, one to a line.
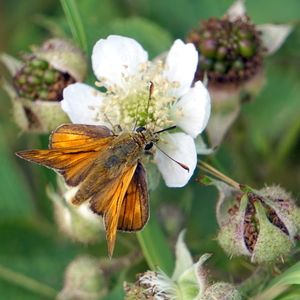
point(148, 139)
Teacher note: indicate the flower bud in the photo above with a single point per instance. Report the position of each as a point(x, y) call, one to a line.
point(38, 82)
point(221, 290)
point(228, 41)
point(231, 51)
point(84, 280)
point(261, 224)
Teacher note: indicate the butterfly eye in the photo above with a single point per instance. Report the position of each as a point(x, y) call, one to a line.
point(140, 129)
point(149, 146)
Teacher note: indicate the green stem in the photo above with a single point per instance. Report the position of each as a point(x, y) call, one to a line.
point(28, 283)
point(155, 247)
point(75, 23)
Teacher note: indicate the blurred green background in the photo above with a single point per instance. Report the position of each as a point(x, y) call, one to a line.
point(261, 148)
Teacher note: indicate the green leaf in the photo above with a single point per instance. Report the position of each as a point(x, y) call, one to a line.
point(281, 283)
point(290, 276)
point(12, 184)
point(116, 294)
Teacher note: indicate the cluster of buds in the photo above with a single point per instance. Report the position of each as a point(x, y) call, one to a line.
point(38, 82)
point(230, 51)
point(262, 225)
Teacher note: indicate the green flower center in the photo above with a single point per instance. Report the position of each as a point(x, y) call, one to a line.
point(132, 105)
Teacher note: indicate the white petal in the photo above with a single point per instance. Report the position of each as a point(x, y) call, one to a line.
point(78, 102)
point(192, 111)
point(180, 147)
point(236, 10)
point(182, 61)
point(117, 56)
point(273, 36)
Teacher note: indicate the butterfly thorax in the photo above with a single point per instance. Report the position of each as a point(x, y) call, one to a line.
point(132, 146)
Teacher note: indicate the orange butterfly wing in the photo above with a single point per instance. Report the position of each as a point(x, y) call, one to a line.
point(73, 135)
point(134, 212)
point(122, 200)
point(74, 149)
point(123, 204)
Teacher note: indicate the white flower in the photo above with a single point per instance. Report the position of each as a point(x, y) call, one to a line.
point(121, 65)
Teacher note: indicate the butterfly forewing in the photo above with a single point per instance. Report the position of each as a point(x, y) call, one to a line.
point(73, 135)
point(74, 151)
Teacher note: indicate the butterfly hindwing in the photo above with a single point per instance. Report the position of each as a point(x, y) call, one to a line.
point(134, 212)
point(108, 203)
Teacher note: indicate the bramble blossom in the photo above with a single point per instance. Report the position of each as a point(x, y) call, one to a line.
point(122, 67)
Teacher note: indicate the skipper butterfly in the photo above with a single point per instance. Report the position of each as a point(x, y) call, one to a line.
point(107, 168)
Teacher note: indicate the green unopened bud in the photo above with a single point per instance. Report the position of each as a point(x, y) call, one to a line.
point(49, 76)
point(206, 63)
point(227, 40)
point(231, 51)
point(37, 63)
point(43, 93)
point(38, 83)
point(261, 224)
point(246, 48)
point(221, 290)
point(220, 67)
point(208, 48)
point(33, 80)
point(238, 64)
point(84, 280)
point(244, 33)
point(35, 116)
point(221, 53)
point(64, 57)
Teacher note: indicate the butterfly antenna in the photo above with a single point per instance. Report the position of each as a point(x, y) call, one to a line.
point(169, 128)
point(112, 126)
point(108, 120)
point(151, 89)
point(177, 162)
point(136, 118)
